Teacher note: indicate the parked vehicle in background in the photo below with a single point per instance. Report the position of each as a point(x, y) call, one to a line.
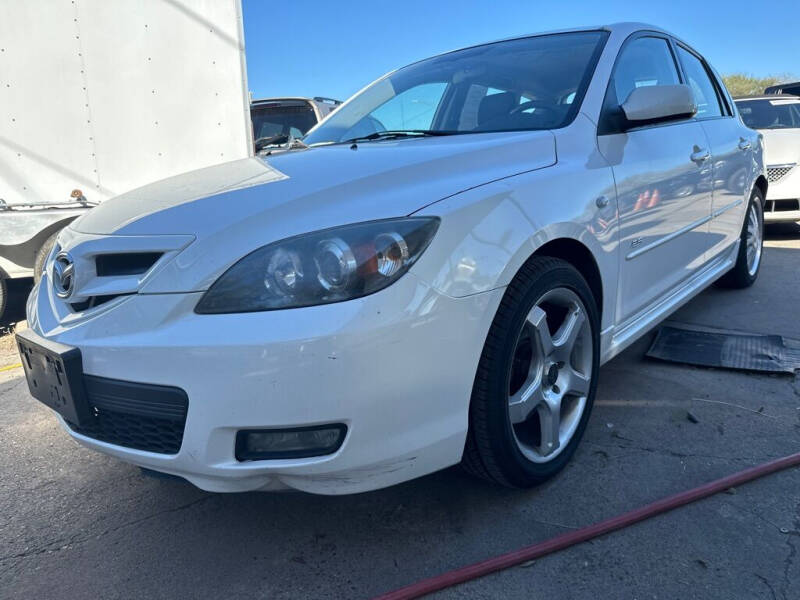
point(784, 88)
point(99, 98)
point(777, 118)
point(434, 276)
point(276, 120)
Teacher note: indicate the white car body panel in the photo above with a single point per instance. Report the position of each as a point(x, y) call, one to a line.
point(374, 182)
point(397, 366)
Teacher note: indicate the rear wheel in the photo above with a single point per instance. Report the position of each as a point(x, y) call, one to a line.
point(751, 246)
point(537, 377)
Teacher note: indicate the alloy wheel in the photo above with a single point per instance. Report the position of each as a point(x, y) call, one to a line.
point(753, 240)
point(551, 374)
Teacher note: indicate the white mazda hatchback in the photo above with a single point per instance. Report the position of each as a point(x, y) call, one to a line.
point(434, 276)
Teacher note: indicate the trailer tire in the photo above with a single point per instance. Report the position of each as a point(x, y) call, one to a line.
point(3, 298)
point(41, 256)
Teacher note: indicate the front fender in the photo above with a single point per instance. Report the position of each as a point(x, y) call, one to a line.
point(488, 233)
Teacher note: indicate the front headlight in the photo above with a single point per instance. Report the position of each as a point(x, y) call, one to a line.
point(322, 267)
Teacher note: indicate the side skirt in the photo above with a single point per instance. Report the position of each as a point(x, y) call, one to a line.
point(624, 336)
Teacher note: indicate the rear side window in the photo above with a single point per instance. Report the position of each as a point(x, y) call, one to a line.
point(644, 61)
point(705, 94)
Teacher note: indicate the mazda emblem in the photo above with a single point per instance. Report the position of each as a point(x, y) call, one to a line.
point(63, 275)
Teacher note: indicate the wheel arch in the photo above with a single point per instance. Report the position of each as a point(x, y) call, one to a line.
point(761, 184)
point(580, 257)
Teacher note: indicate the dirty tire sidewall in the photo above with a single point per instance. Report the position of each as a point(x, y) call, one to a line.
point(491, 451)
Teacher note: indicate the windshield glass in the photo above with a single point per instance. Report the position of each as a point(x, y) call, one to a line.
point(523, 84)
point(282, 119)
point(770, 114)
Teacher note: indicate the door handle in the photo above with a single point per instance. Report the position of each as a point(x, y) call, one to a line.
point(700, 155)
point(744, 144)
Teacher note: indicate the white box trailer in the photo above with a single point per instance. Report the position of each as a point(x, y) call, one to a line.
point(98, 97)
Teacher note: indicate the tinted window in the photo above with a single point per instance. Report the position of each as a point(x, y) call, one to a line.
point(770, 114)
point(524, 84)
point(642, 62)
point(705, 94)
point(278, 120)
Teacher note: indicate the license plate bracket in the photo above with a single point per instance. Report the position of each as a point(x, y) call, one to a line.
point(54, 373)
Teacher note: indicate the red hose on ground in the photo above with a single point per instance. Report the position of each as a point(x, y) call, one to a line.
point(445, 580)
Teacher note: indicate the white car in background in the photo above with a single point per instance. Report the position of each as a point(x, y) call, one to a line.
point(777, 118)
point(434, 276)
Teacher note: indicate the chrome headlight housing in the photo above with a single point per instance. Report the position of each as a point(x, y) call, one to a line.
point(323, 267)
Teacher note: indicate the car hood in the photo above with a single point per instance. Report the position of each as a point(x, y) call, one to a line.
point(781, 146)
point(234, 208)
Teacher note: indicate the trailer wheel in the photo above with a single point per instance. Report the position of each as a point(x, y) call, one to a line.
point(41, 256)
point(3, 297)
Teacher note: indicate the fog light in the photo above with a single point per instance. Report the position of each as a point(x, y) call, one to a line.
point(301, 442)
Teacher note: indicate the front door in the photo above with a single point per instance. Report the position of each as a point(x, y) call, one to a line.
point(663, 174)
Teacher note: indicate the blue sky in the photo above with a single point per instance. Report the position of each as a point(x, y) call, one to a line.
point(334, 48)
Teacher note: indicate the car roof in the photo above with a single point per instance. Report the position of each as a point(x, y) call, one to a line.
point(781, 97)
point(624, 28)
point(276, 100)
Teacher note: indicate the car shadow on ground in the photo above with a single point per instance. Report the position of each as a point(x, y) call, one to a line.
point(781, 231)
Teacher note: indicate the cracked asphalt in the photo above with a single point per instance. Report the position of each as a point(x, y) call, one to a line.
point(77, 524)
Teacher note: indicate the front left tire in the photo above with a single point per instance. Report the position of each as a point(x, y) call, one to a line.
point(537, 377)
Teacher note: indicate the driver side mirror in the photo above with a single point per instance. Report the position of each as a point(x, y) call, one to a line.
point(659, 103)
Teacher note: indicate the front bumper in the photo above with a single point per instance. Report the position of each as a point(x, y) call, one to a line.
point(396, 367)
point(783, 198)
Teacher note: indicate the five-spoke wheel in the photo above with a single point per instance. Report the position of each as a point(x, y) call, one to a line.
point(537, 376)
point(550, 375)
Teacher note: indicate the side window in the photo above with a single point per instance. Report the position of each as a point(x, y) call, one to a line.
point(705, 94)
point(643, 61)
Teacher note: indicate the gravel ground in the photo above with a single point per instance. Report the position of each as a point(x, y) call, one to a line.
point(74, 523)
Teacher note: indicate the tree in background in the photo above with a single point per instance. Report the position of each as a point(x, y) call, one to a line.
point(741, 84)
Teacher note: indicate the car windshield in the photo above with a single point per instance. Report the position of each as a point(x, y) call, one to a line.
point(781, 113)
point(282, 119)
point(523, 84)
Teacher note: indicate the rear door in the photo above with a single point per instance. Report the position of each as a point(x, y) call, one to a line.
point(731, 151)
point(663, 177)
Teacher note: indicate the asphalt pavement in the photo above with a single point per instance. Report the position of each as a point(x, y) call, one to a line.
point(77, 524)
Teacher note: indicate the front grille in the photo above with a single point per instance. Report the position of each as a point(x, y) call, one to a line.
point(129, 263)
point(778, 172)
point(782, 205)
point(135, 415)
point(92, 302)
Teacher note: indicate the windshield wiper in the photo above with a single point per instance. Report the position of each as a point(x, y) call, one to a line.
point(398, 133)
